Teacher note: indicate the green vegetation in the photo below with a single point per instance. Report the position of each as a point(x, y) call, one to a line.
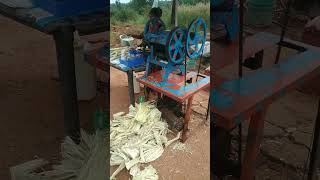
point(136, 12)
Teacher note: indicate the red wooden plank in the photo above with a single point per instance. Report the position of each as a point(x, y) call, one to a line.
point(172, 79)
point(177, 82)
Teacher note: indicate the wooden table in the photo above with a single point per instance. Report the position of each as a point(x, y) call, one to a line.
point(62, 31)
point(175, 88)
point(237, 100)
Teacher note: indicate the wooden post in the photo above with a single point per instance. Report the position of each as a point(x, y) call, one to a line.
point(174, 17)
point(65, 58)
point(314, 157)
point(187, 118)
point(254, 139)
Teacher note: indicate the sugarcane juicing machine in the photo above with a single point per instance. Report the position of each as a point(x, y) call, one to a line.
point(166, 62)
point(225, 12)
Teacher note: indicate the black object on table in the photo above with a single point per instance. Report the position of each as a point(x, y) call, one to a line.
point(62, 30)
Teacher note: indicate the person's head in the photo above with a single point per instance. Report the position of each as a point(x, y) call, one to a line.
point(155, 12)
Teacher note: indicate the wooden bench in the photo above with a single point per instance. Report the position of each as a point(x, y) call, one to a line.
point(237, 100)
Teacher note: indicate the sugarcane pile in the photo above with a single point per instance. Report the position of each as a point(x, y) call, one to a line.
point(84, 161)
point(136, 138)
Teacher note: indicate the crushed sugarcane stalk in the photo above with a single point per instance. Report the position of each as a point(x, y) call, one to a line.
point(84, 161)
point(136, 138)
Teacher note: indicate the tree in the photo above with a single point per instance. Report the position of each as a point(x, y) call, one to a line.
point(118, 4)
point(137, 4)
point(174, 18)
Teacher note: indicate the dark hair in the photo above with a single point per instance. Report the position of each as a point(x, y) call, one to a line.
point(155, 12)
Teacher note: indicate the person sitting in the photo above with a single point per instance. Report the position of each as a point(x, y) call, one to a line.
point(153, 13)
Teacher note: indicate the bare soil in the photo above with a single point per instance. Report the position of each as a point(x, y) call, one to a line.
point(117, 30)
point(30, 101)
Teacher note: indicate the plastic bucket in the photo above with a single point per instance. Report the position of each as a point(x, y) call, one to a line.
point(260, 12)
point(85, 73)
point(126, 40)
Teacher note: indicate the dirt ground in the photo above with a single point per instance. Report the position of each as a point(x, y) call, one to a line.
point(30, 101)
point(128, 29)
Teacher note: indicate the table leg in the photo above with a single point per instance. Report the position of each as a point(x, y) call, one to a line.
point(130, 87)
point(65, 57)
point(186, 120)
point(255, 136)
point(106, 98)
point(315, 157)
point(220, 149)
point(208, 109)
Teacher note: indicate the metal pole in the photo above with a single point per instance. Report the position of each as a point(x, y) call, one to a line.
point(208, 110)
point(65, 57)
point(199, 67)
point(240, 37)
point(284, 29)
point(240, 74)
point(131, 87)
point(185, 71)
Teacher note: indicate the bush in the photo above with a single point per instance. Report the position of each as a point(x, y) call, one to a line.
point(186, 13)
point(122, 14)
point(125, 13)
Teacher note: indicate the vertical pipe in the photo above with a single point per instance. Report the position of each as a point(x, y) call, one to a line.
point(283, 31)
point(240, 74)
point(208, 109)
point(185, 71)
point(240, 37)
point(200, 61)
point(130, 87)
point(240, 145)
